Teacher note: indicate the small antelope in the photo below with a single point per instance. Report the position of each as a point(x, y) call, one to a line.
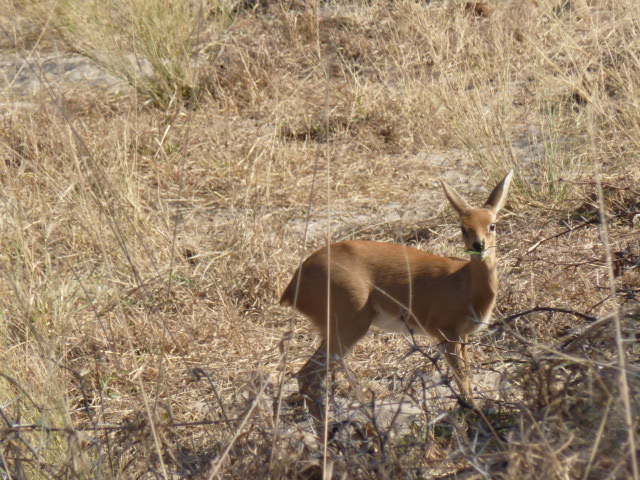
point(347, 287)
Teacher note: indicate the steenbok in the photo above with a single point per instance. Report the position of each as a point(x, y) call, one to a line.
point(347, 287)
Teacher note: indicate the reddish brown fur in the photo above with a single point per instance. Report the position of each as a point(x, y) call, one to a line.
point(364, 282)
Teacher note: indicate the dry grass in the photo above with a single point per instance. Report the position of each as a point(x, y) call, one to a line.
point(147, 231)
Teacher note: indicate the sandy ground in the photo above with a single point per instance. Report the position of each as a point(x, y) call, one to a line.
point(24, 79)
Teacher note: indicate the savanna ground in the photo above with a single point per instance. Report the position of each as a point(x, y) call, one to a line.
point(166, 165)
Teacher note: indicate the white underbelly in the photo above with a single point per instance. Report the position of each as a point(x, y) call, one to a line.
point(389, 322)
point(394, 322)
point(478, 323)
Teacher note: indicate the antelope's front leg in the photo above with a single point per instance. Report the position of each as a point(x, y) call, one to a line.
point(456, 355)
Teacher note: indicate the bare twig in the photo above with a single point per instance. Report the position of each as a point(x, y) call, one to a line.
point(622, 360)
point(510, 318)
point(605, 184)
point(559, 234)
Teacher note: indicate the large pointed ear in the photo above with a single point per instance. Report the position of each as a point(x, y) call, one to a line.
point(498, 197)
point(456, 200)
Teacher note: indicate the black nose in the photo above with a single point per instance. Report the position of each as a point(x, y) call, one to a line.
point(477, 246)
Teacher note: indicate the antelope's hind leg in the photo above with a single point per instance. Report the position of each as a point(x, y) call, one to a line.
point(312, 375)
point(311, 379)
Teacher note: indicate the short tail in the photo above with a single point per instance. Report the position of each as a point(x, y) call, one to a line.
point(289, 295)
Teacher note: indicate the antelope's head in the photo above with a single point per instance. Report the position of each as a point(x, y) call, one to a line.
point(478, 225)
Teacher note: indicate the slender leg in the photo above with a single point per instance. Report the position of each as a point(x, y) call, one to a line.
point(312, 375)
point(466, 368)
point(457, 358)
point(311, 379)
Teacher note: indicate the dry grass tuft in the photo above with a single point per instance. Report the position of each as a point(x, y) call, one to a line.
point(152, 215)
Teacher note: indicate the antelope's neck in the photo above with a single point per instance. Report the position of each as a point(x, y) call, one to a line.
point(484, 285)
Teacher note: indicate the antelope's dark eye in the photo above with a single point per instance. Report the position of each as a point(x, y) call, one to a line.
point(492, 227)
point(463, 230)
